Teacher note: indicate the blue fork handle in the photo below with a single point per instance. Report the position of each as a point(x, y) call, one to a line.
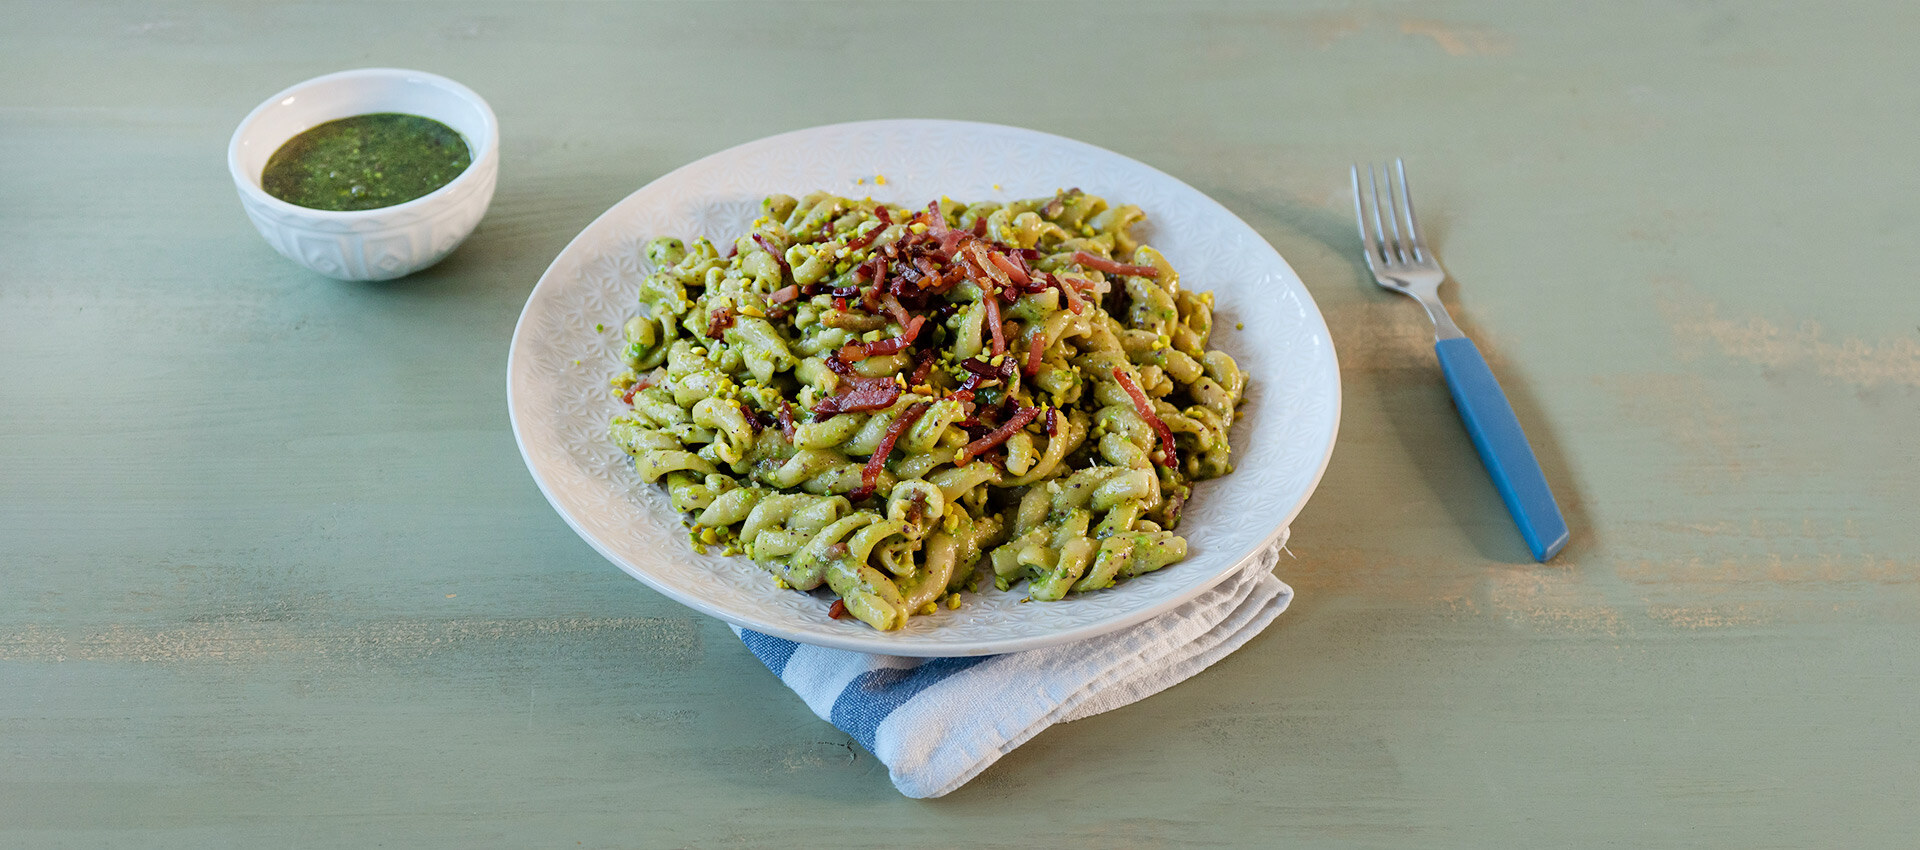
point(1503, 446)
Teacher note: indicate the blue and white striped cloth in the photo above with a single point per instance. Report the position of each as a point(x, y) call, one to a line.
point(938, 722)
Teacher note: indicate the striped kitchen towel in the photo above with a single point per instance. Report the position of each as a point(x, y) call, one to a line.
point(938, 722)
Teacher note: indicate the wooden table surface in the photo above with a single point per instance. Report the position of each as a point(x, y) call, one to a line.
point(272, 572)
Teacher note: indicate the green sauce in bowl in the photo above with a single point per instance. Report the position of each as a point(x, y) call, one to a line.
point(366, 162)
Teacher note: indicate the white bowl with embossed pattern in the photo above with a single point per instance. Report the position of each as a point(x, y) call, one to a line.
point(376, 244)
point(567, 344)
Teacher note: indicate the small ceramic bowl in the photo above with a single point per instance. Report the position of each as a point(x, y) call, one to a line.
point(376, 244)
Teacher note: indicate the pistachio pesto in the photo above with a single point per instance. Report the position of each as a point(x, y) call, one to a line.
point(366, 162)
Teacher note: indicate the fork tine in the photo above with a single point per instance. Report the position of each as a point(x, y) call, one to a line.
point(1417, 245)
point(1389, 250)
point(1360, 215)
point(1379, 228)
point(1401, 248)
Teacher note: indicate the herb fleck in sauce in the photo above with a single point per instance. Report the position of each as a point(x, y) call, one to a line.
point(366, 162)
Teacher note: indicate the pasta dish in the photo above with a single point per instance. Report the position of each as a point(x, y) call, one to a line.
point(903, 405)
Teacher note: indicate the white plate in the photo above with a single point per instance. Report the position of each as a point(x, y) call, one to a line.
point(558, 368)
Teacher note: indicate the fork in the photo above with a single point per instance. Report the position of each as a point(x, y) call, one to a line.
point(1401, 261)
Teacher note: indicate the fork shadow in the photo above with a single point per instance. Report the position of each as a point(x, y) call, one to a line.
point(1394, 368)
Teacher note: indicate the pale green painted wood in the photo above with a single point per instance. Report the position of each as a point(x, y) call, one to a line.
point(272, 573)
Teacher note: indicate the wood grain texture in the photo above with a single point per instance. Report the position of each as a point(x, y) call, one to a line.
point(273, 574)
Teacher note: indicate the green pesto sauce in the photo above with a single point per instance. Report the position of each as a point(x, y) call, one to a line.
point(366, 162)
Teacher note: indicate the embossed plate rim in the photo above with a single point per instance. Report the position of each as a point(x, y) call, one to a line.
point(557, 399)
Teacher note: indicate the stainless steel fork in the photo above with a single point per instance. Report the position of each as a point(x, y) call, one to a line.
point(1401, 261)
